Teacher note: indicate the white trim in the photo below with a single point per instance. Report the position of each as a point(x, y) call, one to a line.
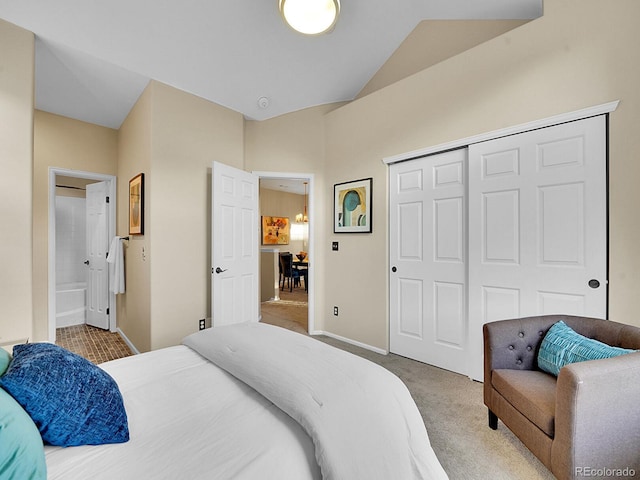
point(503, 132)
point(127, 341)
point(351, 342)
point(51, 282)
point(312, 215)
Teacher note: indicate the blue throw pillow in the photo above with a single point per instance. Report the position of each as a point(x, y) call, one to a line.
point(21, 449)
point(71, 401)
point(562, 345)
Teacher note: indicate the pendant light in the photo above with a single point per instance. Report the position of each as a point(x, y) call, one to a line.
point(310, 17)
point(302, 217)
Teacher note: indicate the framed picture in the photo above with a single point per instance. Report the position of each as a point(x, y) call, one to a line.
point(136, 205)
point(275, 230)
point(352, 206)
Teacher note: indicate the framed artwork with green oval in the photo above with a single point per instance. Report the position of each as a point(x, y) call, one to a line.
point(352, 206)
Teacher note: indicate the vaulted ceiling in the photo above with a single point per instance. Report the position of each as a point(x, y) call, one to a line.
point(94, 58)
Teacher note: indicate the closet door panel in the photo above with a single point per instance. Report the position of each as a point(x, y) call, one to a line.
point(537, 226)
point(427, 255)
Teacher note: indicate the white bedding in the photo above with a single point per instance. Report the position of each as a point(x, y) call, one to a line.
point(361, 417)
point(190, 418)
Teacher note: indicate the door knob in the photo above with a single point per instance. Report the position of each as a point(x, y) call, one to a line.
point(86, 262)
point(219, 270)
point(394, 269)
point(593, 283)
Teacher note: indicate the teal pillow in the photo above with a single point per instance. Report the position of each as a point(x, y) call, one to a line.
point(71, 401)
point(5, 359)
point(562, 346)
point(21, 449)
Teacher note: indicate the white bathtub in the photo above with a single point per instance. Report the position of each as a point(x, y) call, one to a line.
point(71, 304)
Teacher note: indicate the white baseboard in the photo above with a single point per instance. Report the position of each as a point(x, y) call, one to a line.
point(351, 342)
point(128, 342)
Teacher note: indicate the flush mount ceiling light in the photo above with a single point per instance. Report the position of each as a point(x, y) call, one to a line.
point(311, 17)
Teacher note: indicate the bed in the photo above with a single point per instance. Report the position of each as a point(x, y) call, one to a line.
point(254, 401)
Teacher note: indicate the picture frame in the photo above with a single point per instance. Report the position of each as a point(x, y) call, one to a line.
point(275, 230)
point(136, 205)
point(352, 206)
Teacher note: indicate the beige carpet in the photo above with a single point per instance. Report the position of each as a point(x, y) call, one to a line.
point(450, 404)
point(456, 420)
point(291, 311)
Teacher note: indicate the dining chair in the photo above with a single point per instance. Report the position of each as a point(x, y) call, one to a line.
point(287, 272)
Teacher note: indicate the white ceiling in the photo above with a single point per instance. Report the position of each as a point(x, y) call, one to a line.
point(94, 58)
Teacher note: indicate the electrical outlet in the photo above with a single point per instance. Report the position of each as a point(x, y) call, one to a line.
point(335, 311)
point(201, 324)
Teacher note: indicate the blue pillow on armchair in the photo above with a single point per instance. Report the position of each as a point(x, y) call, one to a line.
point(71, 401)
point(562, 345)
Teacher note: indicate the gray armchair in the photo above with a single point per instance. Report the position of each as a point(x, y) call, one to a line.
point(585, 422)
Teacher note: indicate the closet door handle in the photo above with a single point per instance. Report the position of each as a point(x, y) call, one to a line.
point(86, 262)
point(219, 270)
point(394, 269)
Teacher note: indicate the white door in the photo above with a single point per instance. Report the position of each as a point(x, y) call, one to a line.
point(235, 239)
point(97, 249)
point(428, 260)
point(537, 227)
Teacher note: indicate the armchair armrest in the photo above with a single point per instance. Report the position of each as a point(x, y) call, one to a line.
point(597, 421)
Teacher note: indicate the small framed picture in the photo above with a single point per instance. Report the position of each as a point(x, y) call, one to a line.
point(352, 206)
point(136, 205)
point(275, 230)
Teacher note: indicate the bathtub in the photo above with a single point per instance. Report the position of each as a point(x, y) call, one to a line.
point(71, 304)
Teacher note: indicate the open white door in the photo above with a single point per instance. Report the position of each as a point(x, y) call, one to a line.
point(97, 246)
point(234, 251)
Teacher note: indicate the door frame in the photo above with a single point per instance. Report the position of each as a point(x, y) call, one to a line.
point(309, 177)
point(111, 232)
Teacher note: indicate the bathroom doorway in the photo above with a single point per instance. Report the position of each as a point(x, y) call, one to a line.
point(74, 284)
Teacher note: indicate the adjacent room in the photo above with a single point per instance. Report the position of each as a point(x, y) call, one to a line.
point(430, 197)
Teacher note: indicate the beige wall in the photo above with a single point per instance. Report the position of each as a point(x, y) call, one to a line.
point(188, 133)
point(134, 157)
point(172, 137)
point(16, 204)
point(61, 142)
point(580, 54)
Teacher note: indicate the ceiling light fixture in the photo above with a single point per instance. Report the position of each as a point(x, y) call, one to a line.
point(311, 17)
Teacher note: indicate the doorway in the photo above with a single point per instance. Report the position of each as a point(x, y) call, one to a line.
point(68, 289)
point(286, 306)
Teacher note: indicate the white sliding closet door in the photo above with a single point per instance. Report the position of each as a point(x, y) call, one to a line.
point(523, 232)
point(427, 254)
point(537, 227)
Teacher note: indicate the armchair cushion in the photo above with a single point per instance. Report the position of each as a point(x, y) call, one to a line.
point(562, 346)
point(531, 392)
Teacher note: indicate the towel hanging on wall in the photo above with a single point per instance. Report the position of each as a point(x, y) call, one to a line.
point(116, 266)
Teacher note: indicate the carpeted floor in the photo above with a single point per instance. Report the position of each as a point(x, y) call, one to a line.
point(291, 311)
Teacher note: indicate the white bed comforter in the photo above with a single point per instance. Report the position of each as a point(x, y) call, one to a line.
point(361, 418)
point(190, 420)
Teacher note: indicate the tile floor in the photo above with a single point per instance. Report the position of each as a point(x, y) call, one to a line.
point(94, 344)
